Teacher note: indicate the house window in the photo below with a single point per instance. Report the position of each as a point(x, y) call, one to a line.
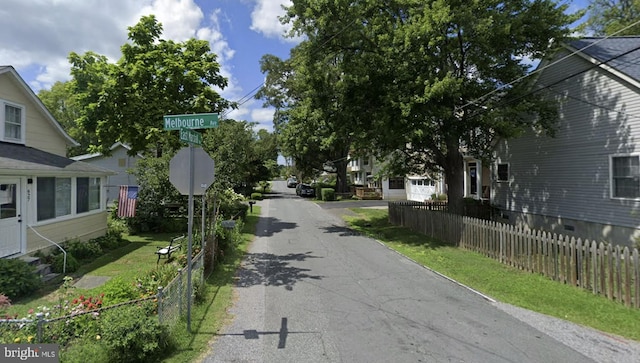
point(8, 201)
point(53, 198)
point(122, 163)
point(396, 183)
point(503, 172)
point(87, 194)
point(625, 175)
point(365, 161)
point(13, 117)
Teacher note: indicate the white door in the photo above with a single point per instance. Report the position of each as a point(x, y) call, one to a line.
point(10, 217)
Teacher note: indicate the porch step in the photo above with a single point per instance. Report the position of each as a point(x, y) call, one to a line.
point(50, 276)
point(42, 269)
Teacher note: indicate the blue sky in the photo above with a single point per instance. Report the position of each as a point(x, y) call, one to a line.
point(38, 35)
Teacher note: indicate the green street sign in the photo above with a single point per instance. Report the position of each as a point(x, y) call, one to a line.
point(190, 136)
point(191, 121)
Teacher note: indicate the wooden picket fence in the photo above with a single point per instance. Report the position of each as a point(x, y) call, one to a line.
point(607, 270)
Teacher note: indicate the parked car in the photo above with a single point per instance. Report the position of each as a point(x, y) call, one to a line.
point(292, 182)
point(305, 190)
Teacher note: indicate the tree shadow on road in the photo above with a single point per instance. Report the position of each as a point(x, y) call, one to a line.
point(273, 226)
point(274, 270)
point(341, 231)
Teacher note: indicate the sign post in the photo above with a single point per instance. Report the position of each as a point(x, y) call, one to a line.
point(186, 124)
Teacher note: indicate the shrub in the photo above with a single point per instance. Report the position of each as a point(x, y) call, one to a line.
point(160, 276)
point(232, 205)
point(115, 226)
point(111, 240)
point(118, 290)
point(85, 251)
point(328, 194)
point(265, 186)
point(79, 351)
point(256, 196)
point(133, 336)
point(57, 263)
point(5, 303)
point(439, 197)
point(17, 278)
point(228, 239)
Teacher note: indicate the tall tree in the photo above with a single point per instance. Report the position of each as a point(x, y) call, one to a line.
point(64, 106)
point(433, 80)
point(242, 157)
point(621, 17)
point(320, 92)
point(125, 101)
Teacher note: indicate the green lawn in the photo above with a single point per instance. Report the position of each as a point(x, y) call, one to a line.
point(499, 281)
point(208, 315)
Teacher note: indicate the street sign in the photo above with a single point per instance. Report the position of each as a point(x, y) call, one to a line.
point(191, 121)
point(190, 136)
point(203, 171)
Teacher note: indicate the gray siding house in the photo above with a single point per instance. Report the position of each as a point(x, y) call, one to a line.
point(585, 181)
point(120, 162)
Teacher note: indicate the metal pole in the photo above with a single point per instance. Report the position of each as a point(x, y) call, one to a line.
point(190, 229)
point(202, 241)
point(213, 232)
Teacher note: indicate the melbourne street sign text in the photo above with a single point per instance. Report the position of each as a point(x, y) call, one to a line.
point(193, 121)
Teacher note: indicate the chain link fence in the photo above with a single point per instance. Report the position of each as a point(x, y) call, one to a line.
point(171, 300)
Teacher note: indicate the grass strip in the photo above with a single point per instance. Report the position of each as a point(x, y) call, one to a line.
point(210, 315)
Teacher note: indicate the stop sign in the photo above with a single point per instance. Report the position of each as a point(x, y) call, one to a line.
point(203, 171)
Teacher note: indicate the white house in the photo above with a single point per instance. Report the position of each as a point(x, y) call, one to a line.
point(120, 162)
point(44, 196)
point(585, 181)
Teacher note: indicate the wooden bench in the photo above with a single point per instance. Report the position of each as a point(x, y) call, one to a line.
point(171, 248)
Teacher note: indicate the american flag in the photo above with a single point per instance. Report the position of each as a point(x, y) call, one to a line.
point(127, 201)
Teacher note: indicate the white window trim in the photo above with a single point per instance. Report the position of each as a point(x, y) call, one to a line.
point(611, 184)
point(74, 213)
point(23, 118)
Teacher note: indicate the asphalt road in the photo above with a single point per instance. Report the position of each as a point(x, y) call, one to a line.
point(311, 290)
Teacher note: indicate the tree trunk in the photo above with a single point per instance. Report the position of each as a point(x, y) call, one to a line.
point(454, 176)
point(342, 182)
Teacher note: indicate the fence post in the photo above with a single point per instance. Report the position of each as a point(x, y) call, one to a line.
point(40, 323)
point(180, 292)
point(636, 267)
point(160, 304)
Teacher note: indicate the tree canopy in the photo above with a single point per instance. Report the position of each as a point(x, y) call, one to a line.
point(243, 156)
point(619, 17)
point(65, 108)
point(126, 101)
point(426, 81)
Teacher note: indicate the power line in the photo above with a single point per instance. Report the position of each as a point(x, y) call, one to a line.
point(538, 70)
point(595, 65)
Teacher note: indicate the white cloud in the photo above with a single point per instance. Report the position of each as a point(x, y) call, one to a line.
point(264, 19)
point(39, 36)
point(180, 18)
point(262, 115)
point(43, 33)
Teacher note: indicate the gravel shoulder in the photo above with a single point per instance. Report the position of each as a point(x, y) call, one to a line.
point(599, 346)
